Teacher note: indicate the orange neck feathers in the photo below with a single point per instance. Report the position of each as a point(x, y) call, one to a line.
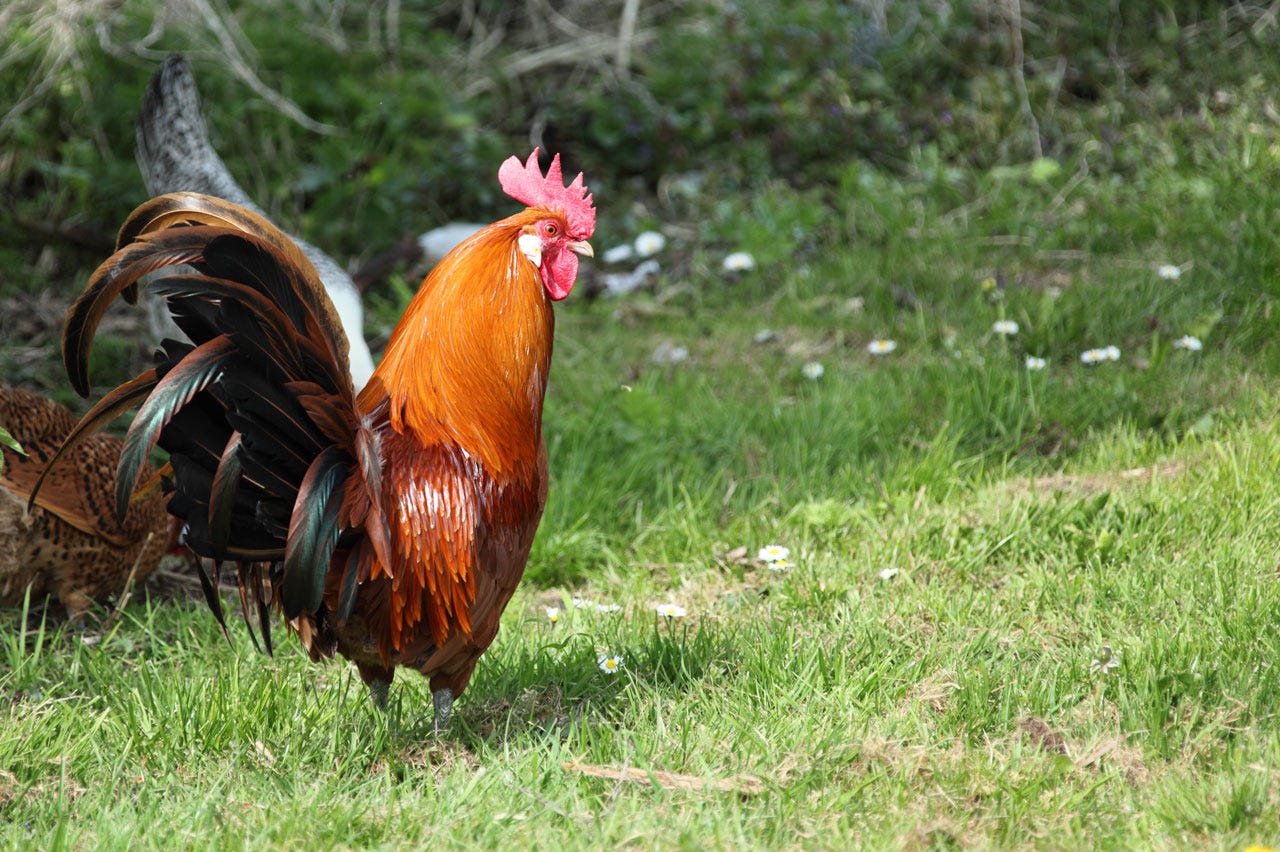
point(468, 361)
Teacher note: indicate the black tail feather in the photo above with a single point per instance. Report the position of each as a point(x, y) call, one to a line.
point(258, 416)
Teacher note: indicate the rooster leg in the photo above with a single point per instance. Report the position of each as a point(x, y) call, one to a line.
point(443, 701)
point(378, 690)
point(378, 679)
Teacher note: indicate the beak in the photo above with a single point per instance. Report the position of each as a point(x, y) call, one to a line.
point(581, 247)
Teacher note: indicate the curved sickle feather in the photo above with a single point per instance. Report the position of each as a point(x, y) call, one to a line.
point(313, 532)
point(191, 208)
point(113, 276)
point(276, 336)
point(222, 495)
point(191, 375)
point(107, 409)
point(188, 208)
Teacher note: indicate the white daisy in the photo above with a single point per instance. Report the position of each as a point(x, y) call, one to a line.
point(888, 573)
point(1008, 328)
point(649, 243)
point(779, 565)
point(610, 663)
point(773, 553)
point(583, 603)
point(1036, 363)
point(813, 370)
point(607, 608)
point(1189, 343)
point(739, 261)
point(670, 610)
point(553, 614)
point(1169, 271)
point(1097, 356)
point(880, 346)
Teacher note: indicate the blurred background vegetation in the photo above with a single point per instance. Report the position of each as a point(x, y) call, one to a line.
point(360, 123)
point(913, 170)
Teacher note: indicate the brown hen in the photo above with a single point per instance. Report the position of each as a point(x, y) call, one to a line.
point(69, 544)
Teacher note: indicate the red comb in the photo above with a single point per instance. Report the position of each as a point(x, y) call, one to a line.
point(526, 184)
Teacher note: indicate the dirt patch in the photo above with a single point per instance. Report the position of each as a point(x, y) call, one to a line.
point(1038, 733)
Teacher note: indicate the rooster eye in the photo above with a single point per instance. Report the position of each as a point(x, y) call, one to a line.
point(550, 229)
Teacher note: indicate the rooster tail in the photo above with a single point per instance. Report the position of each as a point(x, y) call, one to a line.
point(313, 532)
point(272, 463)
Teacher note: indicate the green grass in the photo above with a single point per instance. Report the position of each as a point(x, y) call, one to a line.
point(1073, 644)
point(956, 702)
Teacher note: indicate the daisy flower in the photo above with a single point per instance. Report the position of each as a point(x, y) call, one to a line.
point(607, 608)
point(609, 663)
point(1189, 343)
point(649, 243)
point(813, 370)
point(1169, 271)
point(779, 564)
point(1036, 363)
point(773, 553)
point(739, 261)
point(888, 573)
point(880, 346)
point(670, 610)
point(1097, 356)
point(1008, 328)
point(553, 614)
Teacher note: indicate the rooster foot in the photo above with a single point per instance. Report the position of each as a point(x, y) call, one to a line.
point(443, 701)
point(378, 690)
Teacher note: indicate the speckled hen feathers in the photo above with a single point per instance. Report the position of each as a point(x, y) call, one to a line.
point(70, 543)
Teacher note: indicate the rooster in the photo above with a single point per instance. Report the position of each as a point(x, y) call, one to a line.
point(70, 542)
point(392, 526)
point(174, 154)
